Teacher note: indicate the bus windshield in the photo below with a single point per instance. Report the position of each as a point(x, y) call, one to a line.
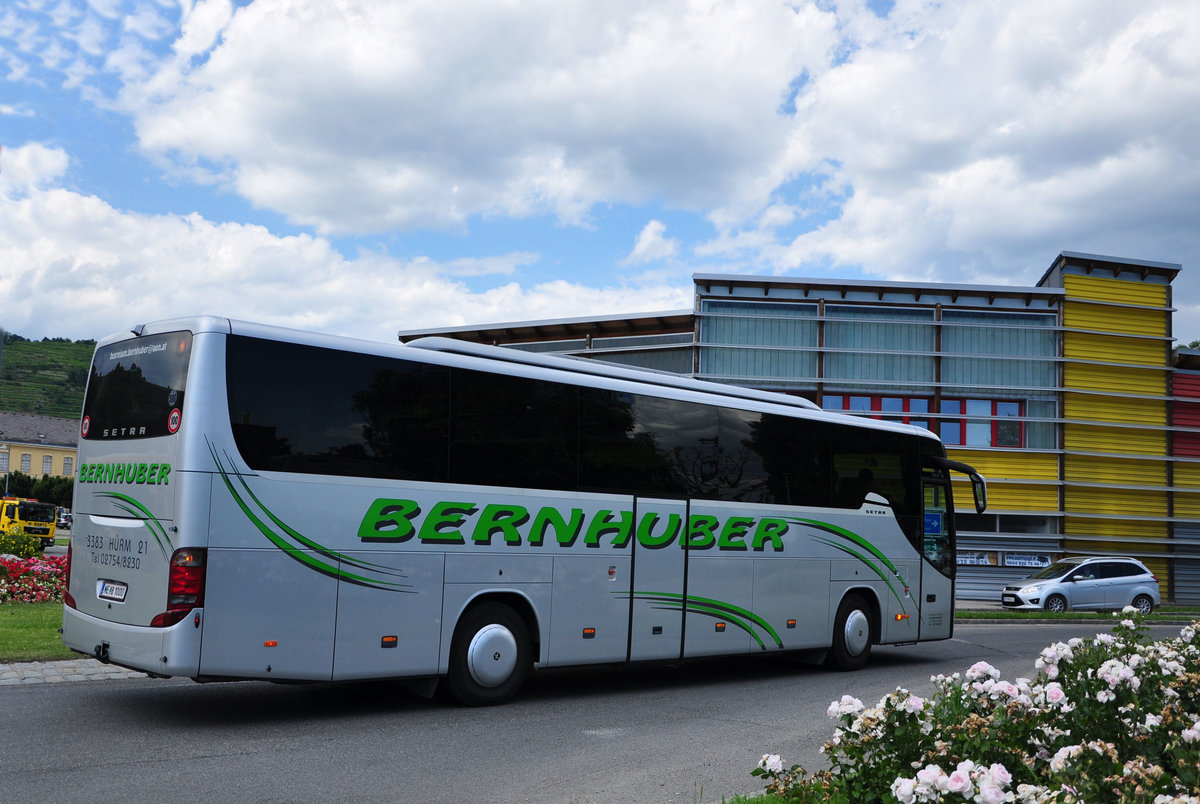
point(136, 388)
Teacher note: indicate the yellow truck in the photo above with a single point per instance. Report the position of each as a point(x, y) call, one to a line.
point(29, 516)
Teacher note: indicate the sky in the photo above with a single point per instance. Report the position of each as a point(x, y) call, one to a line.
point(361, 167)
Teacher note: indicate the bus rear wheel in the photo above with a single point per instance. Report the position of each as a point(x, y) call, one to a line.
point(489, 657)
point(851, 634)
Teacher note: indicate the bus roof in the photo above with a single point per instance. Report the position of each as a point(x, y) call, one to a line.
point(582, 365)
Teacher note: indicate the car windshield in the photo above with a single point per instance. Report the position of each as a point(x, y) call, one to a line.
point(1054, 571)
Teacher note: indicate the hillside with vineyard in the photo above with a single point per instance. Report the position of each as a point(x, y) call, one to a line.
point(45, 377)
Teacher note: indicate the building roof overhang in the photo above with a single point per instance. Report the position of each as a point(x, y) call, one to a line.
point(1093, 262)
point(563, 328)
point(710, 284)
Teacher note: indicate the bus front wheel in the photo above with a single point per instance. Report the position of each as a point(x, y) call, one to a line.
point(851, 634)
point(489, 658)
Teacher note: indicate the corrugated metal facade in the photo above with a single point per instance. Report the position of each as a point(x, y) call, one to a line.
point(1116, 402)
point(1185, 419)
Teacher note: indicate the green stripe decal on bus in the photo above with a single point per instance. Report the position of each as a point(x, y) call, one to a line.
point(870, 565)
point(851, 536)
point(138, 511)
point(717, 609)
point(859, 541)
point(299, 553)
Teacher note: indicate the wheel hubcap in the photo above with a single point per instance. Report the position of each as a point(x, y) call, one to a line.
point(857, 632)
point(492, 655)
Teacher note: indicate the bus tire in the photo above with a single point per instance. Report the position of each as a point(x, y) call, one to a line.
point(851, 634)
point(490, 655)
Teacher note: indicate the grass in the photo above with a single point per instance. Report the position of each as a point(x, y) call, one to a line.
point(29, 632)
point(1169, 613)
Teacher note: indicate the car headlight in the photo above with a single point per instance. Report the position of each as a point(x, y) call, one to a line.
point(1032, 589)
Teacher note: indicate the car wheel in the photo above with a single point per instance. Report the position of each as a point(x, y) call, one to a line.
point(1056, 604)
point(1144, 604)
point(489, 657)
point(851, 635)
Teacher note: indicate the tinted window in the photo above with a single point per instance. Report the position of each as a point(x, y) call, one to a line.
point(1121, 569)
point(136, 388)
point(872, 461)
point(513, 431)
point(685, 437)
point(304, 409)
point(631, 442)
point(300, 409)
point(795, 457)
point(740, 468)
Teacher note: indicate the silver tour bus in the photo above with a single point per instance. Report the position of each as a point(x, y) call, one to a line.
point(260, 503)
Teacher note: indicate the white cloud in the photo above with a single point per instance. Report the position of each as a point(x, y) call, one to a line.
point(378, 115)
point(147, 22)
point(100, 270)
point(975, 141)
point(651, 245)
point(202, 26)
point(28, 167)
point(953, 141)
point(9, 110)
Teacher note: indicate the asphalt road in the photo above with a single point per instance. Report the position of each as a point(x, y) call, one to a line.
point(689, 734)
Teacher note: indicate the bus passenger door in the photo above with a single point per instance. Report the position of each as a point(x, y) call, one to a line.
point(656, 599)
point(937, 568)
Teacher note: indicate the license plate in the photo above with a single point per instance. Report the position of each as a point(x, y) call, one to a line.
point(1009, 598)
point(111, 590)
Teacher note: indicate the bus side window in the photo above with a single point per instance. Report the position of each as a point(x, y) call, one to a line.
point(522, 430)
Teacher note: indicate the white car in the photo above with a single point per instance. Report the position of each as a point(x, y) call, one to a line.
point(1097, 582)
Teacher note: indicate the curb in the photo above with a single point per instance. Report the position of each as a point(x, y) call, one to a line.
point(55, 672)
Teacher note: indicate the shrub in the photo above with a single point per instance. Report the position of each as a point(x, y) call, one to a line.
point(32, 580)
point(1115, 718)
point(17, 542)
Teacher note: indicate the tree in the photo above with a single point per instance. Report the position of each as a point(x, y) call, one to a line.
point(56, 490)
point(19, 484)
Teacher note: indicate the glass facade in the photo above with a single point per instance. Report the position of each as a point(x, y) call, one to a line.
point(974, 376)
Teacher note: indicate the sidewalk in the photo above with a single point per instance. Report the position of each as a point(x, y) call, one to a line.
point(58, 671)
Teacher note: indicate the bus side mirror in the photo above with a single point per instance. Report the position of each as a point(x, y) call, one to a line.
point(979, 492)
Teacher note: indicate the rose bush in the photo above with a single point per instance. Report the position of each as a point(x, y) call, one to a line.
point(32, 580)
point(1115, 718)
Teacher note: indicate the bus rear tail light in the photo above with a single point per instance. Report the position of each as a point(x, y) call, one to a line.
point(185, 586)
point(68, 598)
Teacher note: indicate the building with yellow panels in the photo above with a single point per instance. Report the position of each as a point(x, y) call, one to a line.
point(1061, 394)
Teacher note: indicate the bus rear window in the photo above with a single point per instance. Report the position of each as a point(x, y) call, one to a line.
point(136, 388)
